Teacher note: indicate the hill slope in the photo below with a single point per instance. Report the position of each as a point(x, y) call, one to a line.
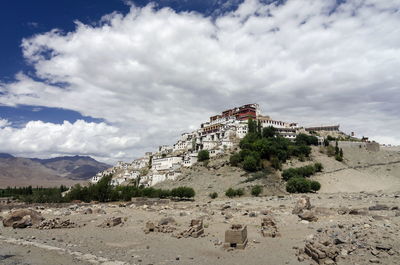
point(18, 171)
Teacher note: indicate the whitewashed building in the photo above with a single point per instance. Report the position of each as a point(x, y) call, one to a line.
point(166, 163)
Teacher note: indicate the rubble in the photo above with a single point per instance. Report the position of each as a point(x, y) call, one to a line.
point(268, 227)
point(56, 223)
point(99, 211)
point(303, 203)
point(195, 230)
point(110, 222)
point(348, 241)
point(323, 252)
point(162, 227)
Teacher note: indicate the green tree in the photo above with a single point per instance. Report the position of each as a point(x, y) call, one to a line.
point(298, 185)
point(250, 164)
point(337, 148)
point(252, 126)
point(235, 159)
point(269, 132)
point(103, 188)
point(203, 155)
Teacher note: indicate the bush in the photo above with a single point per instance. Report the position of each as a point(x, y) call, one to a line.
point(306, 139)
point(230, 193)
point(256, 190)
point(298, 185)
point(233, 193)
point(235, 159)
point(239, 192)
point(318, 167)
point(290, 173)
point(203, 155)
point(330, 150)
point(276, 163)
point(213, 195)
point(250, 164)
point(257, 175)
point(315, 185)
point(183, 192)
point(339, 158)
point(304, 172)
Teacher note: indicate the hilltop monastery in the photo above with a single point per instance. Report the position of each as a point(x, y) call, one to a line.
point(220, 134)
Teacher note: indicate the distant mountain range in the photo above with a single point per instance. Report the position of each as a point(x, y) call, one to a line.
point(67, 170)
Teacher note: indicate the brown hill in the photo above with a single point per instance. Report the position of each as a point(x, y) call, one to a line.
point(17, 171)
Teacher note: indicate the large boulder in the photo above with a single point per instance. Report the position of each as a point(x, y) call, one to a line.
point(308, 216)
point(303, 203)
point(22, 218)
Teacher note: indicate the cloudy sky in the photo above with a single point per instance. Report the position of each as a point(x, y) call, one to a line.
point(114, 80)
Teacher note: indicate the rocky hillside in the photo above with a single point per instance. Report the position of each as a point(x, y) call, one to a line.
point(361, 170)
point(218, 176)
point(68, 170)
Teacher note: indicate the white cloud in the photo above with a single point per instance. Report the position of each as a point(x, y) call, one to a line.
point(154, 73)
point(4, 123)
point(48, 139)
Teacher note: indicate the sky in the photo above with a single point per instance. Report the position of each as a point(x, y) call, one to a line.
point(113, 79)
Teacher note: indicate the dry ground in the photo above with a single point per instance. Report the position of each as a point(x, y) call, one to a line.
point(128, 244)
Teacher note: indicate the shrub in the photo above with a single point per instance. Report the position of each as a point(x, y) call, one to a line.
point(240, 192)
point(290, 173)
point(330, 150)
point(257, 175)
point(230, 193)
point(233, 193)
point(256, 190)
point(183, 192)
point(235, 159)
point(276, 163)
point(315, 185)
point(203, 155)
point(298, 185)
point(318, 167)
point(213, 195)
point(339, 158)
point(250, 164)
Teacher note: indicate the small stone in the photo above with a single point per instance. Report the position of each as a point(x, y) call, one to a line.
point(374, 260)
point(383, 247)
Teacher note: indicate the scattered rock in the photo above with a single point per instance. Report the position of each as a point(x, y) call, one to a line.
point(56, 223)
point(87, 211)
point(303, 203)
point(379, 207)
point(269, 228)
point(308, 216)
point(99, 211)
point(195, 230)
point(110, 222)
